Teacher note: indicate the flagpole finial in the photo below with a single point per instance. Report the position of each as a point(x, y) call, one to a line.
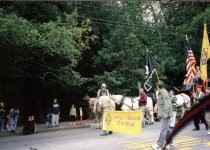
point(204, 20)
point(146, 49)
point(187, 38)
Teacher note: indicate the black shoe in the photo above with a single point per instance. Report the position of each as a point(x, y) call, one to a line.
point(12, 132)
point(104, 134)
point(195, 129)
point(110, 132)
point(207, 128)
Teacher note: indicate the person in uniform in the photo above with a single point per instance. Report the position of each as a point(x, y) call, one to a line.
point(105, 103)
point(103, 91)
point(200, 116)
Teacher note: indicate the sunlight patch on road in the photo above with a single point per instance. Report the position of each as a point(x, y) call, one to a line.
point(181, 143)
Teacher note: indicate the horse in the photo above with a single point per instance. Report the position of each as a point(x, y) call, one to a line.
point(183, 102)
point(96, 107)
point(127, 103)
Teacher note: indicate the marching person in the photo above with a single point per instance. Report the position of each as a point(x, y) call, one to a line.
point(142, 104)
point(55, 112)
point(165, 111)
point(200, 116)
point(197, 75)
point(105, 103)
point(173, 102)
point(186, 84)
point(103, 91)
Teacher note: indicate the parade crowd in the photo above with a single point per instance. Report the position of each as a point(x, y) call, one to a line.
point(9, 122)
point(164, 109)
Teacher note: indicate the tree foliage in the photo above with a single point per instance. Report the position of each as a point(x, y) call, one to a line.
point(71, 48)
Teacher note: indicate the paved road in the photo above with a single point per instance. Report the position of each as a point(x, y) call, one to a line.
point(90, 139)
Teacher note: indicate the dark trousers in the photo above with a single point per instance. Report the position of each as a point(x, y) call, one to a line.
point(198, 118)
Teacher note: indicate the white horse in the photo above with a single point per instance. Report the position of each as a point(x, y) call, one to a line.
point(132, 103)
point(183, 101)
point(97, 108)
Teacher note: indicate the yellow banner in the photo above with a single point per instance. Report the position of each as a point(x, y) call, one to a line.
point(205, 54)
point(128, 122)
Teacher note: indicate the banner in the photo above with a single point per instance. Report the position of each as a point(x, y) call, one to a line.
point(128, 122)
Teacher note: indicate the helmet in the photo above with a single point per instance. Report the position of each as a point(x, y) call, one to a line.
point(103, 85)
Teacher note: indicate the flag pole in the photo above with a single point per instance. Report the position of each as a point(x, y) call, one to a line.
point(193, 84)
point(157, 75)
point(139, 85)
point(187, 39)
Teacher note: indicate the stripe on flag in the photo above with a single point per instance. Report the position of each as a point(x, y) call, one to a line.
point(190, 65)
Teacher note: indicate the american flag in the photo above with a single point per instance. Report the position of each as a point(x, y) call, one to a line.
point(190, 62)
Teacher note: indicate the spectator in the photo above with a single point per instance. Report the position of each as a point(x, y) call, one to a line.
point(47, 120)
point(13, 119)
point(55, 112)
point(30, 126)
point(2, 116)
point(72, 115)
point(7, 123)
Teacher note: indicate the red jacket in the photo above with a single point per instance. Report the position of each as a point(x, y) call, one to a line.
point(143, 99)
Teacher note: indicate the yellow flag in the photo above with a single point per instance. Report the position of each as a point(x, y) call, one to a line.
point(205, 54)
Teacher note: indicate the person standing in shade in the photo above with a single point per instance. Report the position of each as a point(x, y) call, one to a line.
point(47, 120)
point(55, 112)
point(2, 116)
point(13, 119)
point(200, 116)
point(165, 111)
point(73, 115)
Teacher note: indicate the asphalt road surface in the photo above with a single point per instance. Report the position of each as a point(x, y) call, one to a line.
point(90, 139)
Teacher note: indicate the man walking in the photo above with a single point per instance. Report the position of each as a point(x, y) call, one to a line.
point(142, 104)
point(165, 111)
point(173, 102)
point(200, 116)
point(55, 111)
point(105, 103)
